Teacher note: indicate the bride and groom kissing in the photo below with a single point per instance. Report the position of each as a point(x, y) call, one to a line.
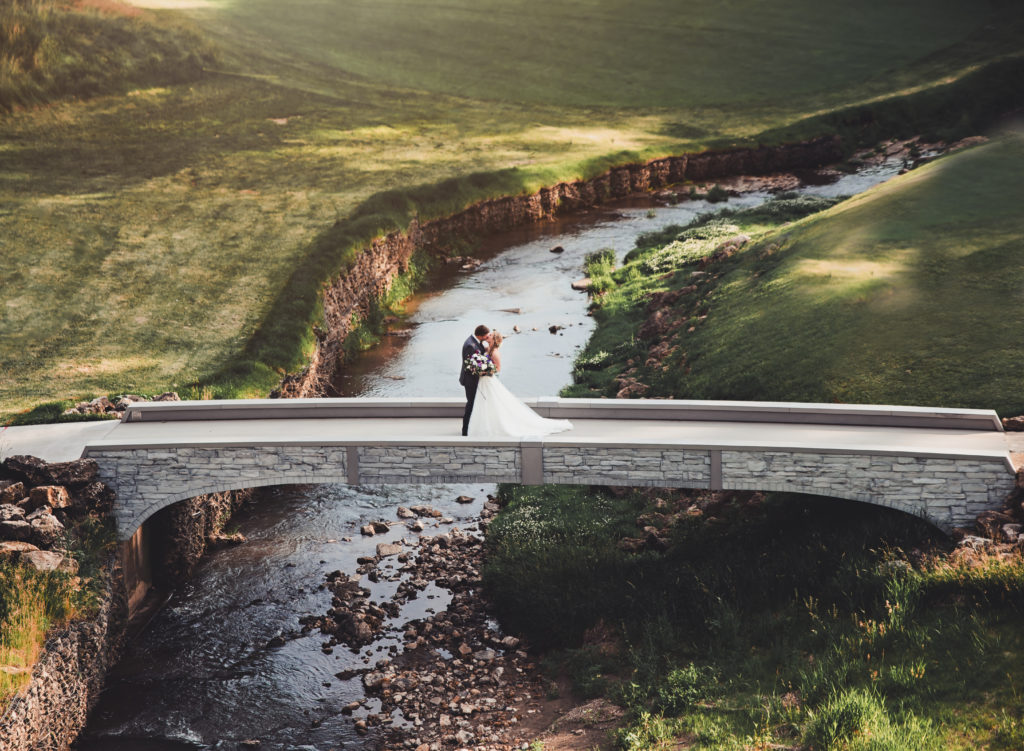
point(491, 409)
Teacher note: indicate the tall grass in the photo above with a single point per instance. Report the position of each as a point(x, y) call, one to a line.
point(52, 49)
point(30, 605)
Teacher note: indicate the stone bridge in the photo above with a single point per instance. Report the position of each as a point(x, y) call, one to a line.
point(943, 465)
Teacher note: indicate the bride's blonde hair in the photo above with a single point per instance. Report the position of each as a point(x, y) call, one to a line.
point(496, 339)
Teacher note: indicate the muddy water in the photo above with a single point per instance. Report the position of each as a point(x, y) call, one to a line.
point(224, 661)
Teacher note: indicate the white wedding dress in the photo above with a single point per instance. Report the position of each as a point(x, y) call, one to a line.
point(497, 413)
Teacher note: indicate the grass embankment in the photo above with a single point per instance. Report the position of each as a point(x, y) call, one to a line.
point(180, 236)
point(791, 622)
point(70, 49)
point(907, 294)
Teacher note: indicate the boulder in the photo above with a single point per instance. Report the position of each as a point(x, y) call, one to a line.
point(54, 496)
point(368, 530)
point(9, 511)
point(15, 529)
point(13, 493)
point(1013, 423)
point(464, 499)
point(48, 560)
point(404, 513)
point(46, 528)
point(96, 497)
point(69, 474)
point(11, 549)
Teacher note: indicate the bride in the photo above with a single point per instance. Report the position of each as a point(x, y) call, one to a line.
point(498, 413)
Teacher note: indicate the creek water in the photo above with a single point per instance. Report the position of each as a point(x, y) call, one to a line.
point(204, 674)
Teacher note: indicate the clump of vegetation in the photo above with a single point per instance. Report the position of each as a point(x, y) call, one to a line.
point(787, 619)
point(32, 603)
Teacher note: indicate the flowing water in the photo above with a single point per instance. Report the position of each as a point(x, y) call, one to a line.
point(204, 673)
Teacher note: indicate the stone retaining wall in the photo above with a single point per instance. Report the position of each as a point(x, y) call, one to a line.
point(66, 681)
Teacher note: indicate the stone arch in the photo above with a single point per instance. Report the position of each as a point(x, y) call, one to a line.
point(128, 525)
point(918, 509)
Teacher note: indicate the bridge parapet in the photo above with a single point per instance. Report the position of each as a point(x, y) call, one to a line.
point(945, 474)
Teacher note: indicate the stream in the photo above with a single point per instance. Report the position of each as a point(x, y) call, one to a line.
point(203, 674)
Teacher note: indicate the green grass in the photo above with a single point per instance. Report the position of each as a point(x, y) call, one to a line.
point(53, 49)
point(908, 294)
point(177, 236)
point(799, 621)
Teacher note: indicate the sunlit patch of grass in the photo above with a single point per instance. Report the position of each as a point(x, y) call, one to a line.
point(31, 605)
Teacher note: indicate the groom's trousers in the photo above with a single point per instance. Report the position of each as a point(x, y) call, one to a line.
point(470, 385)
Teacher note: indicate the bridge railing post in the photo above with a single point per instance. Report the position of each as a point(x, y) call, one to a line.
point(532, 461)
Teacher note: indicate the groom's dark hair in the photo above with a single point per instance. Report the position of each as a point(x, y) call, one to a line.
point(481, 330)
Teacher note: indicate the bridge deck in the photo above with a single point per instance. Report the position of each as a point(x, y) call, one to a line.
point(63, 442)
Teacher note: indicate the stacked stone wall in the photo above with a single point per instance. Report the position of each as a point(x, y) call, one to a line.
point(66, 681)
point(949, 492)
point(627, 466)
point(430, 464)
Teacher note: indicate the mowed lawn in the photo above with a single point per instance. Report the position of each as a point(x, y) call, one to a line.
point(146, 238)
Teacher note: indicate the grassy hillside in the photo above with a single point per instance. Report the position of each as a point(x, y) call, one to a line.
point(178, 234)
point(60, 49)
point(638, 53)
point(911, 293)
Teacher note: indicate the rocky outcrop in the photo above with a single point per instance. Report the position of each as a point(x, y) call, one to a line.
point(350, 295)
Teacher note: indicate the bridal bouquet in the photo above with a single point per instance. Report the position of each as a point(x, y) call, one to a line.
point(479, 365)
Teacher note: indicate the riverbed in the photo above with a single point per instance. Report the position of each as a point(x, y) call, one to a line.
point(224, 662)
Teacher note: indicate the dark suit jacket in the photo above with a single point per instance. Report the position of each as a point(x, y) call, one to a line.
point(469, 346)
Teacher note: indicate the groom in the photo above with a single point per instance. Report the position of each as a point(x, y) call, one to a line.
point(475, 344)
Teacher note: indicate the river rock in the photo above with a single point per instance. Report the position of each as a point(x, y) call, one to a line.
point(13, 493)
point(405, 513)
point(557, 249)
point(54, 496)
point(426, 511)
point(464, 499)
point(581, 285)
point(368, 530)
point(415, 525)
point(385, 549)
point(48, 560)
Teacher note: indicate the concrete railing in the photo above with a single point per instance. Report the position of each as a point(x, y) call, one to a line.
point(588, 409)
